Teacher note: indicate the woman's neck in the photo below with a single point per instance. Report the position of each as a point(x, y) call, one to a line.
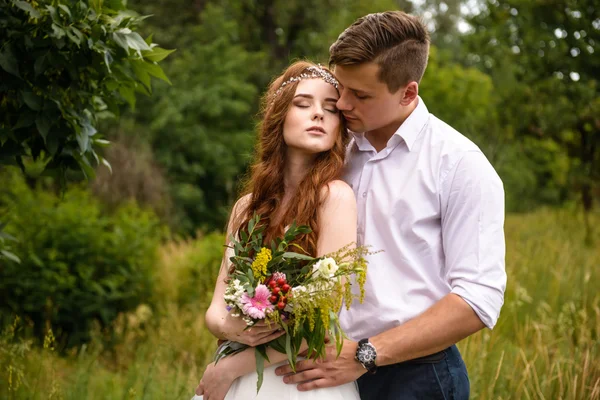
point(297, 164)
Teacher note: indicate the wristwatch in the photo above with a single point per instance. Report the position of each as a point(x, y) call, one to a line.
point(366, 354)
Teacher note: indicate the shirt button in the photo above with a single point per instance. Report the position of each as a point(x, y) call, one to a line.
point(364, 194)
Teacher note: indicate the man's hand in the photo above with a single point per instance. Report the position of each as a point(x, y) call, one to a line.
point(215, 382)
point(325, 373)
point(235, 329)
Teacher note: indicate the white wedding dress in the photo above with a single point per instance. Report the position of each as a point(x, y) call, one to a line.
point(244, 388)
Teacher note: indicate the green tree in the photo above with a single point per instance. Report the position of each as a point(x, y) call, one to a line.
point(543, 58)
point(64, 66)
point(201, 129)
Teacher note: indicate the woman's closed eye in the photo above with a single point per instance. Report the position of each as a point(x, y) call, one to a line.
point(330, 109)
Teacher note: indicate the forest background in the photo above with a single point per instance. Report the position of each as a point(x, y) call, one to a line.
point(105, 277)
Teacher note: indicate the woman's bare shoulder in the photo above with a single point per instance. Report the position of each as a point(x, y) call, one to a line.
point(337, 196)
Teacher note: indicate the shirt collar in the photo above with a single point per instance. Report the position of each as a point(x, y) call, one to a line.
point(413, 125)
point(409, 130)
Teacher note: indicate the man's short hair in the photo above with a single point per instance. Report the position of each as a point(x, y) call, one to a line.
point(396, 41)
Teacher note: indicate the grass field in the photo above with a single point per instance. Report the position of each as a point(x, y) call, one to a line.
point(545, 346)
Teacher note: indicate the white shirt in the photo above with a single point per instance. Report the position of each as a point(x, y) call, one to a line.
point(435, 206)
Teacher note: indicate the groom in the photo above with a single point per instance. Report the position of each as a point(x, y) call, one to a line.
point(430, 199)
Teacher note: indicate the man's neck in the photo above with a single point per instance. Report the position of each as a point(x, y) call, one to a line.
point(380, 137)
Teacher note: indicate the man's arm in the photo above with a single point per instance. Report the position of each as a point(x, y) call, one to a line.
point(473, 240)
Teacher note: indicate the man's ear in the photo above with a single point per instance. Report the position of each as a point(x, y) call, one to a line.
point(411, 91)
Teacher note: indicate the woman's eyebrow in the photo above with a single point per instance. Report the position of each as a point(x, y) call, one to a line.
point(310, 96)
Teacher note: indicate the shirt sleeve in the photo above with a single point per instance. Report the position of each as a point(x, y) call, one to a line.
point(472, 199)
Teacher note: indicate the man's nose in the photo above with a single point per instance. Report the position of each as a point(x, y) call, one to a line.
point(343, 104)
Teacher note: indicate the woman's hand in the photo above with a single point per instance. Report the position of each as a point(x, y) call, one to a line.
point(234, 329)
point(216, 381)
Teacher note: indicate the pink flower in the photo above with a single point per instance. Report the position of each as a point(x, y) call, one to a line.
point(257, 306)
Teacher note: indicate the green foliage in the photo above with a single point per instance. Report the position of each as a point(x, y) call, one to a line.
point(77, 264)
point(65, 65)
point(201, 128)
point(188, 271)
point(543, 59)
point(545, 344)
point(463, 98)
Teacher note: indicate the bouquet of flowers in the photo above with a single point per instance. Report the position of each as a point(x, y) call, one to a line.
point(299, 293)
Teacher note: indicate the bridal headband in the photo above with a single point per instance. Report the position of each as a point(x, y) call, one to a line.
point(312, 72)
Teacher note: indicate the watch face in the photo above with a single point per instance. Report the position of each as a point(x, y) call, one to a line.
point(366, 353)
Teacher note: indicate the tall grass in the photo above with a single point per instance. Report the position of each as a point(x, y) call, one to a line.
point(545, 345)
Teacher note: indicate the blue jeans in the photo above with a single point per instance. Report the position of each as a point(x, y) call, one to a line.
point(444, 378)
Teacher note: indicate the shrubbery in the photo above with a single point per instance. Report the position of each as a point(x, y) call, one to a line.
point(77, 263)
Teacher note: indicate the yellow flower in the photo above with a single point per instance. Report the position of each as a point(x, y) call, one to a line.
point(259, 265)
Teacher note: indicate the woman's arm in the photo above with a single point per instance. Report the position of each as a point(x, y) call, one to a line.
point(218, 320)
point(337, 218)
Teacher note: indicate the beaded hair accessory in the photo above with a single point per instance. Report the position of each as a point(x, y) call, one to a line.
point(313, 72)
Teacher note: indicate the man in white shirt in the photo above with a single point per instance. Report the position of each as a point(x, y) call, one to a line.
point(430, 199)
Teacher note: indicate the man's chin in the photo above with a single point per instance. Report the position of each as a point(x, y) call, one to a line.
point(355, 126)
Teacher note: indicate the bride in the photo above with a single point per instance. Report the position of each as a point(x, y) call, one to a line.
point(295, 177)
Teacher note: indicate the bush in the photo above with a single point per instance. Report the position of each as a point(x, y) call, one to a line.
point(77, 264)
point(188, 270)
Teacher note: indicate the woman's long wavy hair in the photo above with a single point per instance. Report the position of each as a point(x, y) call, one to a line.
point(265, 182)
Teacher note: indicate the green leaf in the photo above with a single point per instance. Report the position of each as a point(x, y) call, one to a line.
point(6, 236)
point(52, 144)
point(27, 7)
point(156, 71)
point(85, 166)
point(74, 37)
point(88, 128)
point(129, 95)
point(43, 125)
point(260, 368)
point(149, 39)
point(65, 9)
point(141, 73)
point(262, 348)
point(32, 100)
point(297, 256)
point(288, 351)
point(121, 41)
point(58, 32)
point(38, 66)
point(135, 41)
point(82, 140)
point(278, 344)
point(10, 256)
point(107, 164)
point(53, 14)
point(26, 118)
point(101, 142)
point(157, 54)
point(8, 62)
point(108, 59)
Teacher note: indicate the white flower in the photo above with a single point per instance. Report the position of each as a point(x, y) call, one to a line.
point(325, 268)
point(233, 294)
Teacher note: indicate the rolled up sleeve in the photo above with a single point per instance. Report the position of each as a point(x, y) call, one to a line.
point(473, 234)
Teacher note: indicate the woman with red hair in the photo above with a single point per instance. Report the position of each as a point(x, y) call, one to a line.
point(296, 175)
